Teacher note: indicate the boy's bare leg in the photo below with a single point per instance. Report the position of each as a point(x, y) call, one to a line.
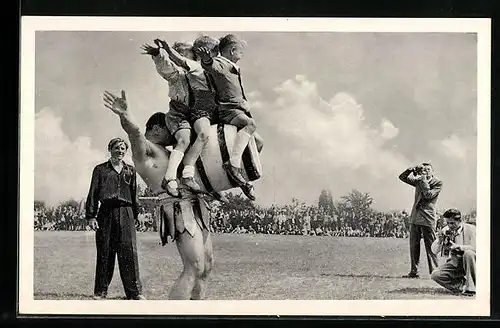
point(202, 129)
point(192, 254)
point(200, 286)
point(183, 138)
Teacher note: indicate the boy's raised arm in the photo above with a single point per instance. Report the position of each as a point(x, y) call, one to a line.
point(208, 63)
point(173, 55)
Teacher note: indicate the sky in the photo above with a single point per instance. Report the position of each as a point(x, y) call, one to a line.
point(337, 110)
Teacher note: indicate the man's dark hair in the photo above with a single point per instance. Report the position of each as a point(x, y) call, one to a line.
point(156, 119)
point(453, 213)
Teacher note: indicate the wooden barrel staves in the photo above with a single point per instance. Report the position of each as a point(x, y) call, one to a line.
point(210, 174)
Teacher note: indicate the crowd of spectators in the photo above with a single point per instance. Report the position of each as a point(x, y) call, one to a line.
point(278, 220)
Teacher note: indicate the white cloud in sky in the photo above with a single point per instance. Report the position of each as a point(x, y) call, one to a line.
point(389, 131)
point(330, 143)
point(63, 167)
point(333, 131)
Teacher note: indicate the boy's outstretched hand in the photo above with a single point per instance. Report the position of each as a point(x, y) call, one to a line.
point(204, 53)
point(162, 44)
point(150, 50)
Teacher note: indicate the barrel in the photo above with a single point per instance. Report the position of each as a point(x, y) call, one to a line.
point(209, 173)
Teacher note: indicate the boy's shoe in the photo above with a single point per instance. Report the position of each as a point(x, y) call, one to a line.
point(174, 192)
point(234, 173)
point(191, 184)
point(249, 191)
point(220, 197)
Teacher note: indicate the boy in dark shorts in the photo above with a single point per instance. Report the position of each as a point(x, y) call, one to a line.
point(178, 116)
point(233, 105)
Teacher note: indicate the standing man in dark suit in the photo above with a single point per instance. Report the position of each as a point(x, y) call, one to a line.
point(111, 210)
point(423, 214)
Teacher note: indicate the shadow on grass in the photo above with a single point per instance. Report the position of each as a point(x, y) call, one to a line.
point(69, 296)
point(360, 276)
point(423, 290)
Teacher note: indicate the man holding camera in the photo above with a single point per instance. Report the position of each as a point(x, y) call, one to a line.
point(456, 241)
point(423, 214)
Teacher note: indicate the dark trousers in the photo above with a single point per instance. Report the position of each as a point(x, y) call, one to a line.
point(416, 233)
point(116, 236)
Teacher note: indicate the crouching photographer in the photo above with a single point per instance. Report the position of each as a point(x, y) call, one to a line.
point(457, 242)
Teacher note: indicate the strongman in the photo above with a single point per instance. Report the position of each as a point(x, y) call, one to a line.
point(111, 210)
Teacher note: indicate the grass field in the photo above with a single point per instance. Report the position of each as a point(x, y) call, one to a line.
point(247, 267)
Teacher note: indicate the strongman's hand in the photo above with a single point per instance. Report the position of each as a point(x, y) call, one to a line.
point(116, 104)
point(93, 224)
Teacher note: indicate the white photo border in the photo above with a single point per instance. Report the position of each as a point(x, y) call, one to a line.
point(480, 306)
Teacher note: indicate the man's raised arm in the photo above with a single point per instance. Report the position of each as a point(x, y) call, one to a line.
point(138, 142)
point(405, 176)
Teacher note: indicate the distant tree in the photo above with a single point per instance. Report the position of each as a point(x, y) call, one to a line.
point(358, 205)
point(325, 202)
point(39, 205)
point(237, 202)
point(71, 203)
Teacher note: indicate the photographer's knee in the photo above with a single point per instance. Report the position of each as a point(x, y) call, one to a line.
point(436, 275)
point(469, 254)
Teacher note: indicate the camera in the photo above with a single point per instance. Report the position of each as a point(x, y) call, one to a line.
point(449, 237)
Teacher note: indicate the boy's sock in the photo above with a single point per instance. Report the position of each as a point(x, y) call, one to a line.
point(188, 171)
point(174, 161)
point(240, 144)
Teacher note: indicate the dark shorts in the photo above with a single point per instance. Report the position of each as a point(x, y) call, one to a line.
point(181, 116)
point(204, 106)
point(227, 112)
point(177, 117)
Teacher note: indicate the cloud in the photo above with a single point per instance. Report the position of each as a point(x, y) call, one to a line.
point(330, 142)
point(63, 167)
point(453, 147)
point(333, 130)
point(389, 131)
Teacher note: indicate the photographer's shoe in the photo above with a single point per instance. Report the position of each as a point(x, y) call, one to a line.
point(469, 293)
point(412, 275)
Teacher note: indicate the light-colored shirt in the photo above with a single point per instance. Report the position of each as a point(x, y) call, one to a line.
point(463, 237)
point(178, 88)
point(197, 76)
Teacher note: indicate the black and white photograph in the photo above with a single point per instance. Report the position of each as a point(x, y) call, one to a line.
point(298, 166)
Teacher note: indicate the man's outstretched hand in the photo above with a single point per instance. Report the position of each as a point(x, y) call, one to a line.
point(116, 104)
point(150, 50)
